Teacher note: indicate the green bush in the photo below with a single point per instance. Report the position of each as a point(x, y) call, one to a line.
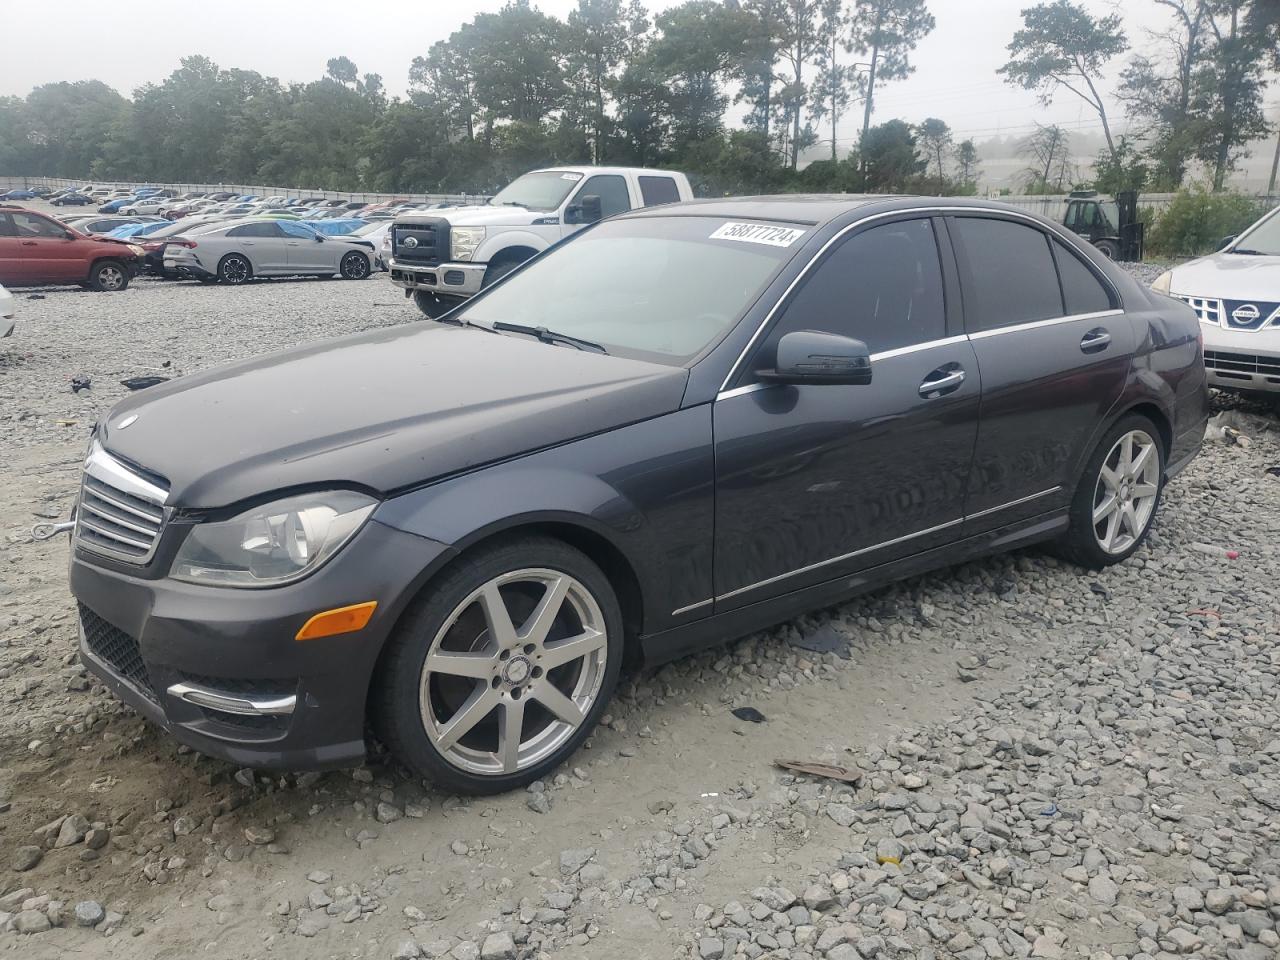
point(1195, 222)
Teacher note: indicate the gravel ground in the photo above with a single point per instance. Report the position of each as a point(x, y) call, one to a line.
point(1045, 762)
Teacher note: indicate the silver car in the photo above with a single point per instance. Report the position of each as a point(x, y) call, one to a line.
point(240, 250)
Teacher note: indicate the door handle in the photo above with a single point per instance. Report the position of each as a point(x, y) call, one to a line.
point(942, 381)
point(28, 243)
point(1095, 341)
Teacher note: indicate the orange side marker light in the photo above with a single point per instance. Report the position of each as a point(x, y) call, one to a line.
point(340, 620)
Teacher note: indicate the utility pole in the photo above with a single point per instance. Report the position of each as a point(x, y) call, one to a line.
point(1275, 165)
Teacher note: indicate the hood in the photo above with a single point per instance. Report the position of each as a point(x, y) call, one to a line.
point(482, 216)
point(1229, 276)
point(381, 410)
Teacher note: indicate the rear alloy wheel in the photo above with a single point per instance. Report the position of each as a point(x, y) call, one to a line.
point(109, 276)
point(503, 668)
point(1118, 496)
point(235, 269)
point(354, 266)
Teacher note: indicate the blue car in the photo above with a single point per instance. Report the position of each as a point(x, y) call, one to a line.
point(18, 195)
point(337, 227)
point(114, 206)
point(130, 230)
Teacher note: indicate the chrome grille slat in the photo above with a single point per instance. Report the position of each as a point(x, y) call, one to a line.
point(121, 513)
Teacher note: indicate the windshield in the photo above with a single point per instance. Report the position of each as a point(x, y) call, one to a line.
point(653, 288)
point(1263, 236)
point(538, 191)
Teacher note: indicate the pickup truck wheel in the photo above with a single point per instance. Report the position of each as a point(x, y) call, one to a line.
point(109, 276)
point(1109, 249)
point(434, 305)
point(496, 271)
point(355, 266)
point(234, 269)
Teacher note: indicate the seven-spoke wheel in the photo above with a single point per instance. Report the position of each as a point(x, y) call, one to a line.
point(502, 667)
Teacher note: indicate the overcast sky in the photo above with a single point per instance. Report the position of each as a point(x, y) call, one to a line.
point(291, 39)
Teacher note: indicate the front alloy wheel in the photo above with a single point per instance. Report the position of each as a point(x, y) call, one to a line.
point(502, 667)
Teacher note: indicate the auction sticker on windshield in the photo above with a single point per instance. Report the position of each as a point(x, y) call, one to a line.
point(758, 233)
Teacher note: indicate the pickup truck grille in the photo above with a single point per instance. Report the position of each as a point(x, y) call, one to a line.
point(121, 512)
point(424, 240)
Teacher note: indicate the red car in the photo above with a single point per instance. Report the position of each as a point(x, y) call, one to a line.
point(35, 249)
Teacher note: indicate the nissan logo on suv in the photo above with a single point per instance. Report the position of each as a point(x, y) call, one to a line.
point(1244, 315)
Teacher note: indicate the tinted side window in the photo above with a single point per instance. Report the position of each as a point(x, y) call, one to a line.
point(6, 226)
point(296, 230)
point(882, 286)
point(254, 230)
point(658, 190)
point(612, 191)
point(1006, 272)
point(1082, 291)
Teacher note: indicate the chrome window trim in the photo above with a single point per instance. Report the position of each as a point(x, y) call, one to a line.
point(930, 211)
point(1037, 324)
point(917, 347)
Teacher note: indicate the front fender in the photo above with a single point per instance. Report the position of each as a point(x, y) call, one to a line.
point(493, 246)
point(645, 488)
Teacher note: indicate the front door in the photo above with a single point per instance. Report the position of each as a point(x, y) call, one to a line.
point(45, 252)
point(814, 482)
point(1055, 352)
point(307, 254)
point(614, 196)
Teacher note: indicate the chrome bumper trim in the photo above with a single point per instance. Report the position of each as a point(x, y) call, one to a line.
point(229, 703)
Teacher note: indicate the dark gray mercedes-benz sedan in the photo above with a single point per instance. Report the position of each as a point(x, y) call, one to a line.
point(683, 424)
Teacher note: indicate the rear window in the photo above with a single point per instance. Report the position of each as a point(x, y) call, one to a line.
point(658, 190)
point(1007, 273)
point(1081, 290)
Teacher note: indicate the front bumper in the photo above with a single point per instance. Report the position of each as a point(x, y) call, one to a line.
point(1247, 360)
point(447, 279)
point(163, 646)
point(186, 265)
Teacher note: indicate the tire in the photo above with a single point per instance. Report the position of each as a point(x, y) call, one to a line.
point(1109, 248)
point(416, 709)
point(1135, 502)
point(235, 269)
point(355, 266)
point(433, 305)
point(496, 271)
point(108, 276)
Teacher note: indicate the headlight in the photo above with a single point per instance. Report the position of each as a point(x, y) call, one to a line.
point(136, 250)
point(464, 241)
point(1163, 282)
point(272, 544)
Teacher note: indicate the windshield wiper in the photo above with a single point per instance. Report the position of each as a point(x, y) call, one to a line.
point(463, 322)
point(548, 336)
point(1251, 253)
point(514, 203)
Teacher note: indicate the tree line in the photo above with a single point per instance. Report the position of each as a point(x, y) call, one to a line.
point(736, 92)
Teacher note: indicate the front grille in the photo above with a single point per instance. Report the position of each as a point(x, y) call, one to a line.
point(117, 649)
point(424, 240)
point(1207, 309)
point(121, 512)
point(1246, 363)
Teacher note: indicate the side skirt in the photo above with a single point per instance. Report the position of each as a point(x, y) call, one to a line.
point(661, 647)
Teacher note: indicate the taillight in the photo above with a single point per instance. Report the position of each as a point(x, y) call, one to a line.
point(189, 244)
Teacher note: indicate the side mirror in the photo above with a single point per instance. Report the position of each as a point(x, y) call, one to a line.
point(1226, 242)
point(68, 234)
point(588, 209)
point(319, 238)
point(812, 357)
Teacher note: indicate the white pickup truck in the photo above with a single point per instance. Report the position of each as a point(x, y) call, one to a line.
point(442, 258)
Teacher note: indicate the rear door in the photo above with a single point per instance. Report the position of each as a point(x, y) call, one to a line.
point(1055, 351)
point(817, 481)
